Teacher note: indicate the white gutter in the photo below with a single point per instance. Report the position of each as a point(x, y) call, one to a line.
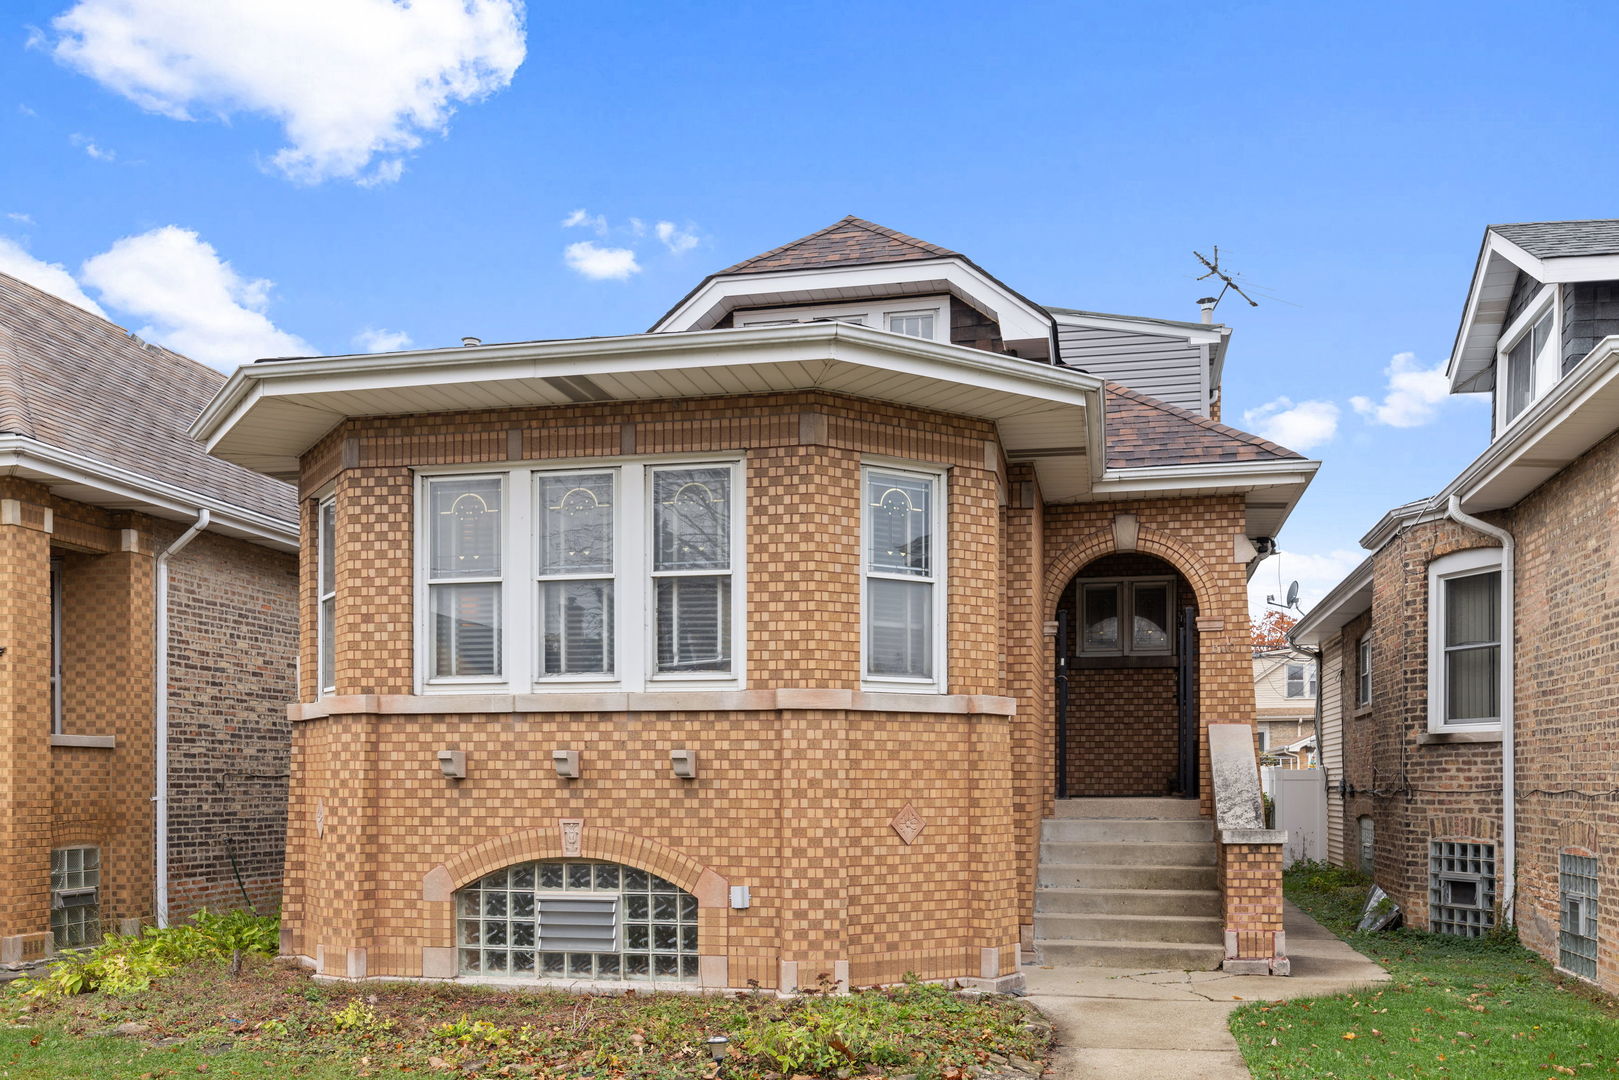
point(1509, 768)
point(160, 681)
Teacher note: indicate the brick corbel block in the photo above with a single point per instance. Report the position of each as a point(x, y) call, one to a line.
point(437, 885)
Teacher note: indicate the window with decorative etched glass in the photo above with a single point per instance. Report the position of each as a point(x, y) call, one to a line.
point(76, 896)
point(902, 583)
point(1126, 617)
point(617, 574)
point(577, 919)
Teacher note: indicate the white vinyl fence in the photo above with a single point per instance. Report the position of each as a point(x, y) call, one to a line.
point(1301, 809)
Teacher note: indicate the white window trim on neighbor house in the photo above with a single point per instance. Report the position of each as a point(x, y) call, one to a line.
point(1306, 681)
point(1546, 365)
point(1441, 571)
point(1363, 670)
point(634, 623)
point(875, 313)
point(938, 546)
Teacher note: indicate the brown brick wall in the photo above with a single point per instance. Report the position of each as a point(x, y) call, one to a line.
point(232, 670)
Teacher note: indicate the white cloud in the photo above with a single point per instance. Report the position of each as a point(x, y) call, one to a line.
point(581, 219)
point(678, 241)
point(196, 302)
point(1413, 396)
point(1315, 573)
point(1299, 426)
point(369, 340)
point(54, 278)
point(355, 84)
point(21, 219)
point(88, 145)
point(601, 263)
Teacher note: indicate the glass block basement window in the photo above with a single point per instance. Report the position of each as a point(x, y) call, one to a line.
point(76, 896)
point(576, 919)
point(1461, 888)
point(1577, 941)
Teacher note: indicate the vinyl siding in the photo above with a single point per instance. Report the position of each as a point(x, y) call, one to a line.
point(1332, 744)
point(1168, 368)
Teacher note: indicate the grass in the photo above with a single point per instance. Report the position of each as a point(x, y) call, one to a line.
point(273, 1020)
point(1461, 1009)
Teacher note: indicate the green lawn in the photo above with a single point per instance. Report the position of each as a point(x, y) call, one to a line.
point(1460, 1009)
point(273, 1020)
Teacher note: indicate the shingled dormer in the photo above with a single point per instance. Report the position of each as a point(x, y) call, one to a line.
point(857, 271)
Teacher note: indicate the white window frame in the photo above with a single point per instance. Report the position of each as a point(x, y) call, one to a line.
point(872, 313)
point(1307, 680)
point(634, 629)
point(57, 715)
point(1125, 593)
point(1440, 571)
point(325, 679)
point(1363, 670)
point(939, 579)
point(1547, 364)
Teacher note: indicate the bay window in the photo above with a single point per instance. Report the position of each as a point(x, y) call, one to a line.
point(902, 552)
point(581, 577)
point(1464, 640)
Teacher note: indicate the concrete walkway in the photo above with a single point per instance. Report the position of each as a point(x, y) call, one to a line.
point(1117, 1023)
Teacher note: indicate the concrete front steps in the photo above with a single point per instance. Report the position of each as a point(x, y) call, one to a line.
point(1128, 883)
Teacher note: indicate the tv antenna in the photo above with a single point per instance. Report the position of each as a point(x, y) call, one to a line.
point(1229, 286)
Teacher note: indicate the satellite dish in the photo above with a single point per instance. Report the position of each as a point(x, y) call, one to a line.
point(1293, 595)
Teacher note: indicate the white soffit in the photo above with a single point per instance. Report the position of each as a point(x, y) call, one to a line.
point(267, 415)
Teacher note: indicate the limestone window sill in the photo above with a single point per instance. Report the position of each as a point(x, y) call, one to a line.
point(1454, 738)
point(1362, 711)
point(95, 742)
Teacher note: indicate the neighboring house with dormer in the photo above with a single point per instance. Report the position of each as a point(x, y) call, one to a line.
point(1284, 700)
point(780, 640)
point(1475, 687)
point(147, 635)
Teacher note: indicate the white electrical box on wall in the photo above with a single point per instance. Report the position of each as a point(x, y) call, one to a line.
point(739, 897)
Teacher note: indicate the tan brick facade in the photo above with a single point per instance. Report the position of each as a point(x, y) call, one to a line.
point(101, 795)
point(802, 772)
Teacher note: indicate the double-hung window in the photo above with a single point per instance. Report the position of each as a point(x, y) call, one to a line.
point(1301, 680)
point(326, 576)
point(902, 544)
point(1464, 640)
point(1363, 670)
point(618, 575)
point(1527, 358)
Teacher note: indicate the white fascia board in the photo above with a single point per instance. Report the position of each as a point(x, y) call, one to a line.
point(1412, 513)
point(21, 454)
point(1210, 334)
point(1239, 474)
point(1344, 601)
point(301, 382)
point(1018, 319)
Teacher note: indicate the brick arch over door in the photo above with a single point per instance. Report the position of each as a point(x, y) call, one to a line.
point(595, 842)
point(1102, 542)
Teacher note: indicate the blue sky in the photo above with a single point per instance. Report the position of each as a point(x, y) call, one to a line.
point(347, 173)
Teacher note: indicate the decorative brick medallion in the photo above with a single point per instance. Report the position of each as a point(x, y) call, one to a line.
point(572, 830)
point(908, 824)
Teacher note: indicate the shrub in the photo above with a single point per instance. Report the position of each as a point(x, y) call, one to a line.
point(358, 1018)
point(126, 964)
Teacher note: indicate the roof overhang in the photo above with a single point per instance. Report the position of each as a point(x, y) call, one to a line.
point(1348, 600)
point(1025, 326)
point(78, 478)
point(1271, 489)
point(268, 414)
point(1484, 315)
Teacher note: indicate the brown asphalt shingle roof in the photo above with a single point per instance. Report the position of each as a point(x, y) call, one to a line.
point(1143, 431)
point(850, 242)
point(77, 382)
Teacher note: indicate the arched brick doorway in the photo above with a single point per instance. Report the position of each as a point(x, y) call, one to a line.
point(1127, 667)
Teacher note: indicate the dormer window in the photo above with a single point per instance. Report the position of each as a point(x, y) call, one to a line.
point(912, 316)
point(1527, 358)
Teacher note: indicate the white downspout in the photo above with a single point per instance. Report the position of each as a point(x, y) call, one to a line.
point(1509, 765)
point(160, 686)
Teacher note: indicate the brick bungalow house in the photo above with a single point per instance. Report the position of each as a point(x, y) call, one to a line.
point(147, 639)
point(1470, 678)
point(761, 645)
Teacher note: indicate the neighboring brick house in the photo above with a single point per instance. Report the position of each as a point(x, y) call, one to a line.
point(110, 517)
point(1474, 684)
point(728, 653)
point(1284, 698)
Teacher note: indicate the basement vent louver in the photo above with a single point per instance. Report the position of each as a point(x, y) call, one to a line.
point(579, 925)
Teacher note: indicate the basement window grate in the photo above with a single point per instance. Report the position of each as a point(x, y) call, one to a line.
point(1461, 888)
point(1577, 940)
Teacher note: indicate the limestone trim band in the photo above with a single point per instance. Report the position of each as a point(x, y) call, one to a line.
point(675, 701)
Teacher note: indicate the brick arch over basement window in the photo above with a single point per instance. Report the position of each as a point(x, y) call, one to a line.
point(1149, 541)
point(595, 842)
